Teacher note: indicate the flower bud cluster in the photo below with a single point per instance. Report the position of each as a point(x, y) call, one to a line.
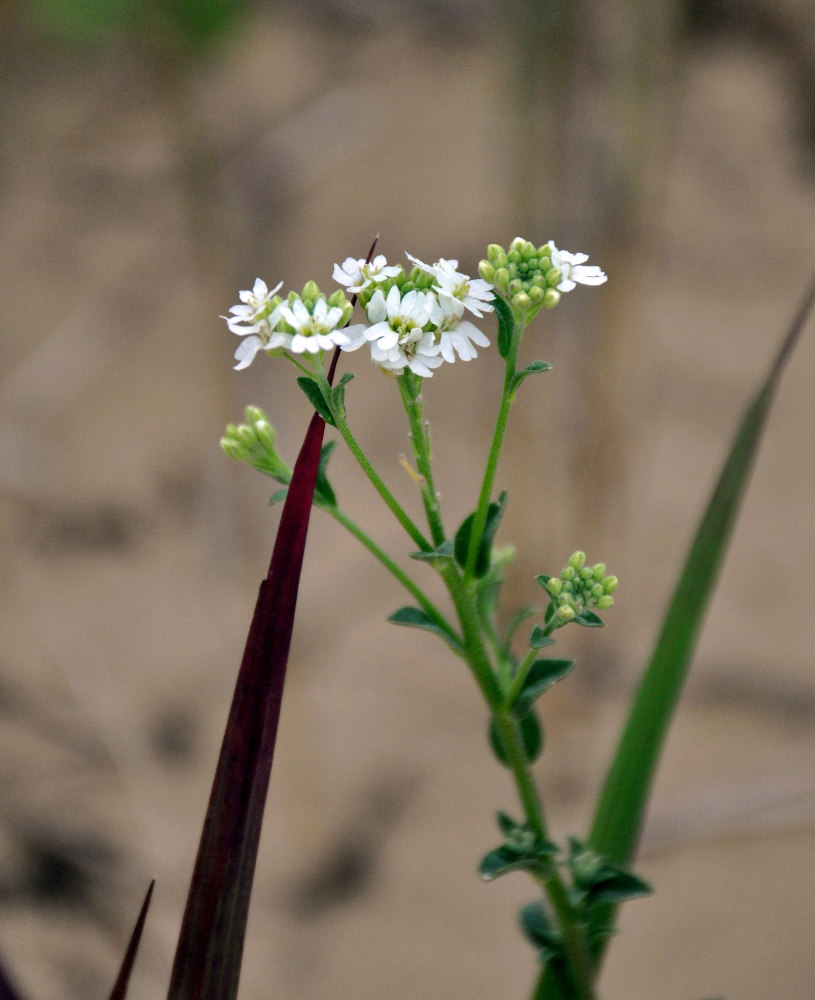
point(580, 587)
point(531, 278)
point(254, 443)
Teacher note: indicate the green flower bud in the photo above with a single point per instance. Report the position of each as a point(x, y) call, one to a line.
point(265, 434)
point(246, 436)
point(551, 298)
point(310, 291)
point(232, 449)
point(536, 295)
point(566, 613)
point(516, 244)
point(610, 584)
point(553, 276)
point(522, 301)
point(515, 286)
point(554, 586)
point(545, 251)
point(597, 591)
point(253, 414)
point(486, 270)
point(528, 250)
point(494, 252)
point(577, 560)
point(501, 279)
point(568, 573)
point(586, 574)
point(605, 602)
point(514, 257)
point(599, 571)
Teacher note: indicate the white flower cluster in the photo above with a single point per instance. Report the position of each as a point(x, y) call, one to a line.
point(267, 322)
point(416, 329)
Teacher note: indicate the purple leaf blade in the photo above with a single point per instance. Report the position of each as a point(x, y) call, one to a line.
point(210, 946)
point(7, 990)
point(119, 991)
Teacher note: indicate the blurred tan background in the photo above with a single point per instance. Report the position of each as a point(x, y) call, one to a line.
point(152, 166)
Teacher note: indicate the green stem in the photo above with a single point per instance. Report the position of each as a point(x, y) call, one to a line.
point(409, 387)
point(576, 948)
point(373, 476)
point(395, 570)
point(507, 397)
point(520, 676)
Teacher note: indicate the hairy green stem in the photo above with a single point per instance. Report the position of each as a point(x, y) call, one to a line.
point(507, 396)
point(394, 569)
point(409, 387)
point(373, 476)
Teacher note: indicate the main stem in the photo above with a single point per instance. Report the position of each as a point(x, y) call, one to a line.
point(465, 600)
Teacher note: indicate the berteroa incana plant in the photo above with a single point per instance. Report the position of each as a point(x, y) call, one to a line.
point(416, 320)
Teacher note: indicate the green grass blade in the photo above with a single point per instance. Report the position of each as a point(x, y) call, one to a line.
point(621, 807)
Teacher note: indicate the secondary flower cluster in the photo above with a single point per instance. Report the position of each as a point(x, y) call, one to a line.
point(532, 277)
point(305, 323)
point(580, 587)
point(416, 318)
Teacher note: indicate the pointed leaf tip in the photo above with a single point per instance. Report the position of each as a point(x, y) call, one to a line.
point(119, 991)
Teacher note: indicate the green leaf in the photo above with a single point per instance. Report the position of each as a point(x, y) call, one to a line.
point(338, 393)
point(506, 859)
point(618, 887)
point(322, 489)
point(417, 618)
point(506, 823)
point(542, 675)
point(516, 621)
point(621, 807)
point(538, 639)
point(531, 738)
point(531, 369)
point(495, 512)
point(506, 324)
point(278, 496)
point(443, 553)
point(539, 929)
point(589, 619)
point(316, 398)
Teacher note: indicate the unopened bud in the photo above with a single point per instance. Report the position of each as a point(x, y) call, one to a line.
point(551, 298)
point(610, 584)
point(566, 612)
point(577, 560)
point(522, 301)
point(605, 602)
point(486, 270)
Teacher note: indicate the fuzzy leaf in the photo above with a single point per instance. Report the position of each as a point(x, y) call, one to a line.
point(506, 324)
point(417, 618)
point(531, 369)
point(442, 553)
point(589, 619)
point(542, 675)
point(495, 512)
point(531, 737)
point(338, 392)
point(316, 398)
point(538, 639)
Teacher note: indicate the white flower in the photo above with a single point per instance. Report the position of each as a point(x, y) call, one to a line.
point(474, 293)
point(358, 274)
point(254, 319)
point(253, 313)
point(316, 331)
point(574, 269)
point(396, 335)
point(457, 335)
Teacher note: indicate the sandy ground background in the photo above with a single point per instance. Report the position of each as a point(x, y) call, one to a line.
point(138, 194)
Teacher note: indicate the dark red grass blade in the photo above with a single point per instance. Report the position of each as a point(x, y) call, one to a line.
point(119, 991)
point(210, 946)
point(7, 991)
